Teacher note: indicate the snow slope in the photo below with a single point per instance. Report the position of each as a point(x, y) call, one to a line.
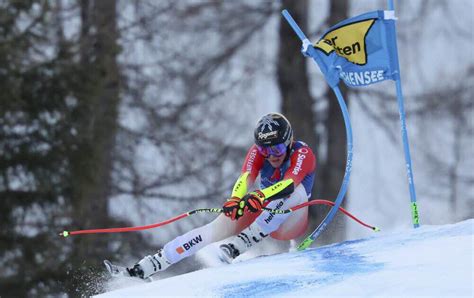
point(429, 261)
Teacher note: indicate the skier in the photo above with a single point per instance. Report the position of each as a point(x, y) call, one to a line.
point(286, 168)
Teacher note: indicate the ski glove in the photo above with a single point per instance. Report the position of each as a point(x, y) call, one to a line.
point(231, 208)
point(253, 201)
point(235, 207)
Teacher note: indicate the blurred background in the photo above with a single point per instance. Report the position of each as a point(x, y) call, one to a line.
point(119, 113)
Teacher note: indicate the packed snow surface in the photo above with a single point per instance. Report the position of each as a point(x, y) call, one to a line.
point(428, 261)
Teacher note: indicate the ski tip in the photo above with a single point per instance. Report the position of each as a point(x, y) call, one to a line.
point(109, 267)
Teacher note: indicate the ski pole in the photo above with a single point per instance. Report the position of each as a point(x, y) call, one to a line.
point(209, 210)
point(323, 202)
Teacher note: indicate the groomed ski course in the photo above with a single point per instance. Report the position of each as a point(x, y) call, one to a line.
point(435, 261)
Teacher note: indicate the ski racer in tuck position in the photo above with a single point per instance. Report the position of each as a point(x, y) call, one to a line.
point(286, 168)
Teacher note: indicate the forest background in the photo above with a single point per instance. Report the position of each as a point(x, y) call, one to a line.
point(117, 113)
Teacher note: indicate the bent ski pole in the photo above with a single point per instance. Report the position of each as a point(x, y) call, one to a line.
point(323, 202)
point(210, 210)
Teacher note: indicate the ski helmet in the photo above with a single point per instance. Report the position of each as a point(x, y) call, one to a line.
point(273, 129)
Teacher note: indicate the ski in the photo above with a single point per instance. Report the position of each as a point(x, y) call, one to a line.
point(116, 270)
point(120, 271)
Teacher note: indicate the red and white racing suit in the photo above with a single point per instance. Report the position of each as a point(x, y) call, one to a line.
point(299, 166)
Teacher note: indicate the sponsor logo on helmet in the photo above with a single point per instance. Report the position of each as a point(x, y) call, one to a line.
point(267, 135)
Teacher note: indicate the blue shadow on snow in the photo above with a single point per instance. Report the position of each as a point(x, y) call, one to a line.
point(327, 265)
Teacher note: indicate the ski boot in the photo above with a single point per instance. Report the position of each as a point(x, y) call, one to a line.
point(149, 265)
point(240, 243)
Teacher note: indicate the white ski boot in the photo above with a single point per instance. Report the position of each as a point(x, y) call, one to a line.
point(149, 265)
point(240, 243)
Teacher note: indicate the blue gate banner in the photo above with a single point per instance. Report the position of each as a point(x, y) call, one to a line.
point(361, 50)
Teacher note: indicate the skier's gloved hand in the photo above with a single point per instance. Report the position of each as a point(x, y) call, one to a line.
point(253, 201)
point(231, 208)
point(235, 207)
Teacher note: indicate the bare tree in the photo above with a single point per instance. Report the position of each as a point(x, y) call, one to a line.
point(292, 74)
point(438, 105)
point(96, 122)
point(182, 140)
point(334, 166)
point(299, 105)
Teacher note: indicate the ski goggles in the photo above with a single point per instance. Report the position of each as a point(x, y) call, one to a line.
point(275, 150)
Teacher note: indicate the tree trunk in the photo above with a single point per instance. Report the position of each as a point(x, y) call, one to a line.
point(96, 124)
point(297, 103)
point(332, 172)
point(293, 82)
